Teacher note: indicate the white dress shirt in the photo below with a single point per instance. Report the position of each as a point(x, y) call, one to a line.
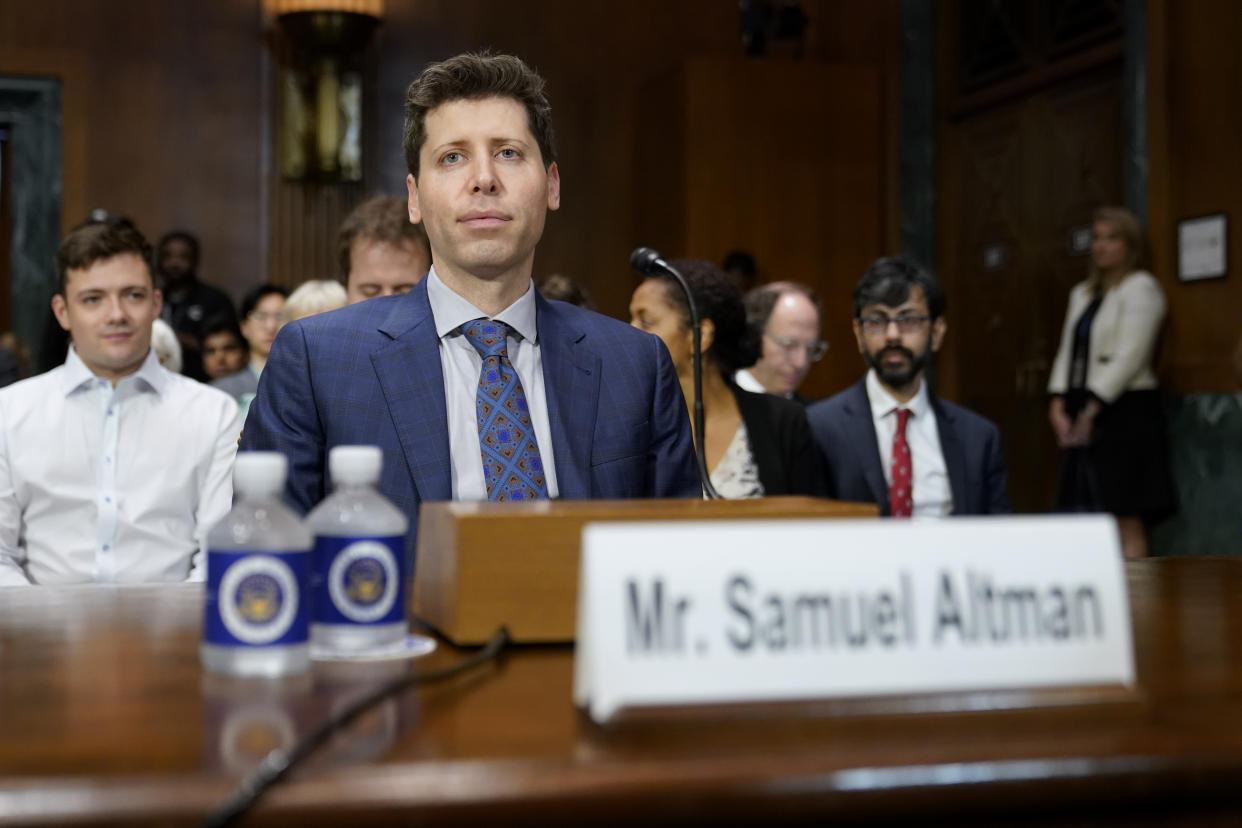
point(112, 484)
point(932, 495)
point(462, 365)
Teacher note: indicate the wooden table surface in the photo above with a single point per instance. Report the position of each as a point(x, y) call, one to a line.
point(106, 717)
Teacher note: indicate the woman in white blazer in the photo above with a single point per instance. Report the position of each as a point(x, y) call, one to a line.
point(1105, 408)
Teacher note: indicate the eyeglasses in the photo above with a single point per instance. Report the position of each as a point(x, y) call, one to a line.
point(906, 323)
point(814, 351)
point(261, 317)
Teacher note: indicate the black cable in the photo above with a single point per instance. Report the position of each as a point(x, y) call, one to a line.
point(277, 764)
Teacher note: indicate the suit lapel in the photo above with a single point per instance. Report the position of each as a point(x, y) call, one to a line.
point(412, 381)
point(860, 429)
point(954, 456)
point(571, 375)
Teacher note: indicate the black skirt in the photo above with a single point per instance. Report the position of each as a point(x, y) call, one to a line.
point(1125, 469)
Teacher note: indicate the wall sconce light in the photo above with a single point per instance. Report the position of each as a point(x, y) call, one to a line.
point(321, 86)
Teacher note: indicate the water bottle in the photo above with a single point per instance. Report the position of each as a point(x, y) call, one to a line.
point(357, 568)
point(256, 616)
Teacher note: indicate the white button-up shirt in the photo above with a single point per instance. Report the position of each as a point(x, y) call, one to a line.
point(112, 484)
point(462, 365)
point(932, 495)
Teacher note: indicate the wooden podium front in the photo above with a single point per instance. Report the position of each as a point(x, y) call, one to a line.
point(483, 565)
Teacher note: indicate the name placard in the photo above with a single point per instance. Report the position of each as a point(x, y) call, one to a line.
point(717, 612)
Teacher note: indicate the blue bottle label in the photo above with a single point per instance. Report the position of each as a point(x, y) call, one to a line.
point(257, 598)
point(358, 580)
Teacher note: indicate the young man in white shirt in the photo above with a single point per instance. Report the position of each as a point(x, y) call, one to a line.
point(112, 469)
point(888, 439)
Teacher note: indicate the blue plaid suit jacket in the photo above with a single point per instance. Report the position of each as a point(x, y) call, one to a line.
point(370, 374)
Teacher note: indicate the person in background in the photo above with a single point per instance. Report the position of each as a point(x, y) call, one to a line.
point(224, 348)
point(381, 252)
point(888, 439)
point(167, 348)
point(788, 319)
point(312, 297)
point(1105, 407)
point(564, 289)
point(741, 268)
point(188, 301)
point(112, 469)
point(262, 310)
point(14, 359)
point(756, 444)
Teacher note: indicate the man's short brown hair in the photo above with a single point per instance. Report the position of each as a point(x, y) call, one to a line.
point(474, 77)
point(97, 241)
point(382, 219)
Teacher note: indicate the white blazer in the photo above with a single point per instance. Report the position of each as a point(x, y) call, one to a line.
point(1123, 337)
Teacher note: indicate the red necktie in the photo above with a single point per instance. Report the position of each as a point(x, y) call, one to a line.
point(901, 492)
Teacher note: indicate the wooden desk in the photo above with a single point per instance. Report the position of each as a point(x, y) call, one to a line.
point(107, 718)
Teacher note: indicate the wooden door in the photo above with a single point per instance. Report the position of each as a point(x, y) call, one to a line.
point(1021, 180)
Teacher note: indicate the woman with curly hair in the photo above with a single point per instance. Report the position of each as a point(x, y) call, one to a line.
point(755, 444)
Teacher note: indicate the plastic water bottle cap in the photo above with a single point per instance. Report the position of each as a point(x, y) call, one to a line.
point(259, 473)
point(355, 465)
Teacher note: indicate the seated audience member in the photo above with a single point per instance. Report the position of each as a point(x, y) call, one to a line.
point(889, 439)
point(312, 297)
point(188, 301)
point(756, 444)
point(112, 469)
point(380, 250)
point(14, 359)
point(741, 268)
point(788, 319)
point(261, 310)
point(167, 349)
point(225, 350)
point(564, 289)
point(473, 385)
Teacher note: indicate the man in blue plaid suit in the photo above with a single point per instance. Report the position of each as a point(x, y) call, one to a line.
point(606, 415)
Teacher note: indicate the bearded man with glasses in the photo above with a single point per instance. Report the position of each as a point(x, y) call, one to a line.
point(888, 439)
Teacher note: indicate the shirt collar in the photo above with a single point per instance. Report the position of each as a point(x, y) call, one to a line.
point(150, 374)
point(883, 403)
point(450, 310)
point(746, 381)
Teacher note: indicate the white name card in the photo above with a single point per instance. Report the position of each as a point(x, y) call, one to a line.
point(737, 611)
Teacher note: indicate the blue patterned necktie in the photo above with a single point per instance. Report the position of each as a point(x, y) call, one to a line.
point(512, 467)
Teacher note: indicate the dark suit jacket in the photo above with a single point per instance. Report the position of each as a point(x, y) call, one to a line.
point(781, 444)
point(370, 374)
point(845, 435)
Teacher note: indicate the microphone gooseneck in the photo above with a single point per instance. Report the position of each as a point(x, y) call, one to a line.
point(649, 263)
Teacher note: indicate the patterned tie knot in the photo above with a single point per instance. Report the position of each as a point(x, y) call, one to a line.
point(488, 336)
point(903, 417)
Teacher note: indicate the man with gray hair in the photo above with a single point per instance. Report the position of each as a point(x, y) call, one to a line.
point(788, 318)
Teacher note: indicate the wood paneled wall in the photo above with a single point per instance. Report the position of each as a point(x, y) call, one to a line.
point(161, 115)
point(170, 109)
point(1195, 118)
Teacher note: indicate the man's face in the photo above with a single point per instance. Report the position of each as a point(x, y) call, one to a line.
point(380, 269)
point(896, 341)
point(482, 192)
point(176, 262)
point(223, 354)
point(790, 344)
point(263, 323)
point(108, 308)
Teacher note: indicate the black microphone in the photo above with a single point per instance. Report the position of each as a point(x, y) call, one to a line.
point(649, 263)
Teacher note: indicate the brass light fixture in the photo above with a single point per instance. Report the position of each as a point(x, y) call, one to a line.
point(321, 86)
